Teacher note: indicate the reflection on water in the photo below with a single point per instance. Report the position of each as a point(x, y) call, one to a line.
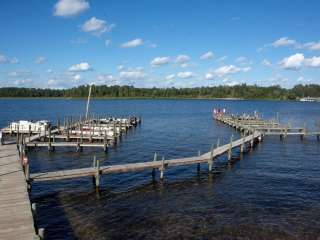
point(270, 193)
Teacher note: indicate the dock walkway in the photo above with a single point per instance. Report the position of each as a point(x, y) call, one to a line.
point(161, 165)
point(16, 220)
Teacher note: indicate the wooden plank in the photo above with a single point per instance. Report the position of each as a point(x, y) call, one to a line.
point(16, 221)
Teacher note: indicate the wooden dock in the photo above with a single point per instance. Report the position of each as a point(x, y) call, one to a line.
point(16, 219)
point(96, 171)
point(247, 124)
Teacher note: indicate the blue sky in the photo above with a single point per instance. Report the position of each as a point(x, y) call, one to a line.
point(66, 43)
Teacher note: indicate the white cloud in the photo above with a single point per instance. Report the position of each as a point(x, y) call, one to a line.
point(300, 79)
point(209, 76)
point(225, 70)
point(314, 46)
point(206, 56)
point(67, 8)
point(312, 62)
point(132, 74)
point(185, 65)
point(120, 67)
point(293, 62)
point(107, 42)
point(81, 67)
point(182, 58)
point(170, 76)
point(185, 75)
point(133, 43)
point(284, 42)
point(96, 26)
point(158, 61)
point(77, 77)
point(246, 69)
point(49, 70)
point(40, 60)
point(266, 62)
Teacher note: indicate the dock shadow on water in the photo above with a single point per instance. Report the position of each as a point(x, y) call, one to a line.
point(272, 192)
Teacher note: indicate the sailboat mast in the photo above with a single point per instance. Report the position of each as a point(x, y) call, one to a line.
point(88, 102)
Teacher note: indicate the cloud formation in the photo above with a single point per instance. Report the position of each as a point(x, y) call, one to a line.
point(182, 58)
point(67, 8)
point(206, 56)
point(284, 42)
point(185, 75)
point(80, 67)
point(158, 61)
point(132, 43)
point(96, 26)
point(170, 76)
point(132, 74)
point(293, 62)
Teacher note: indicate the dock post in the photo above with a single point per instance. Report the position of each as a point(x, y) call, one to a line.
point(49, 146)
point(29, 132)
point(242, 146)
point(81, 133)
point(114, 132)
point(252, 140)
point(154, 170)
point(230, 149)
point(210, 162)
point(162, 169)
point(17, 140)
point(68, 133)
point(198, 165)
point(41, 233)
point(105, 141)
point(97, 176)
point(58, 124)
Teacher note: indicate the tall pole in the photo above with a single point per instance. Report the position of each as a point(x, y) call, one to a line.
point(88, 102)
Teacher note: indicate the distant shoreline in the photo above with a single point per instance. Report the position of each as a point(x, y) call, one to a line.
point(151, 98)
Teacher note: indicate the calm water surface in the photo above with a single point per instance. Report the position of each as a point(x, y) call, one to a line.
point(272, 193)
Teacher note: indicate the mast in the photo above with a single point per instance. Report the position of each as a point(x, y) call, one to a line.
point(88, 102)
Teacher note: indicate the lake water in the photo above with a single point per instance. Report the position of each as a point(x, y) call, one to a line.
point(273, 192)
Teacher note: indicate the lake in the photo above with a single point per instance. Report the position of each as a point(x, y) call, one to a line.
point(273, 192)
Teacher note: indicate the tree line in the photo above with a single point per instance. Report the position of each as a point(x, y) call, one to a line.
point(102, 91)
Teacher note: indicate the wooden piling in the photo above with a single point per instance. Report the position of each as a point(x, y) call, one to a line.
point(198, 164)
point(210, 161)
point(162, 169)
point(230, 149)
point(154, 170)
